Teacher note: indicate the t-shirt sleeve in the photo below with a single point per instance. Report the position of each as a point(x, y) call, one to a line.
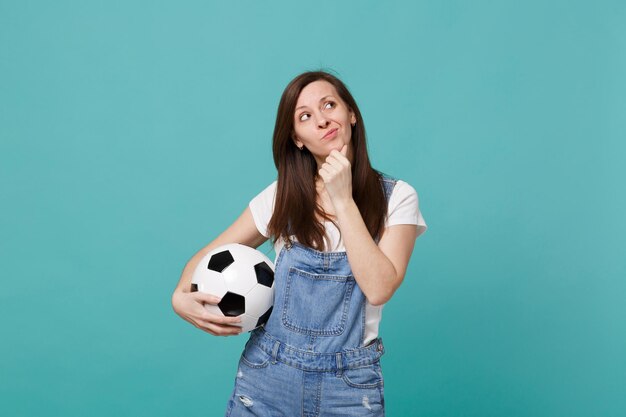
point(262, 207)
point(404, 207)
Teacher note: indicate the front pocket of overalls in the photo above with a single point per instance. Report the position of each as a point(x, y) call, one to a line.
point(369, 376)
point(316, 304)
point(254, 356)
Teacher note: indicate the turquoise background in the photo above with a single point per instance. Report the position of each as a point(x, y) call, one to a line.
point(132, 133)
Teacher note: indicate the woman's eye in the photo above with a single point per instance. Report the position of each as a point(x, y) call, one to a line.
point(326, 106)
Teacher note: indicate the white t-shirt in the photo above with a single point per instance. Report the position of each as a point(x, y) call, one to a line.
point(403, 208)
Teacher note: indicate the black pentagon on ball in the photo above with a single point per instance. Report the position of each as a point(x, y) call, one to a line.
point(220, 261)
point(232, 304)
point(265, 317)
point(264, 274)
point(194, 287)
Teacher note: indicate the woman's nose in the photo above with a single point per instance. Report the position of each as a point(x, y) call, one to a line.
point(322, 122)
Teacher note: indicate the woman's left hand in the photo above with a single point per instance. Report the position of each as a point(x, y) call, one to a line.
point(337, 175)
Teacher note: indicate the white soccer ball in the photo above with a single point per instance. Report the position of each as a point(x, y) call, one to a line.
point(243, 277)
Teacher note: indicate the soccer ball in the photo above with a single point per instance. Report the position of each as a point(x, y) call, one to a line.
point(243, 277)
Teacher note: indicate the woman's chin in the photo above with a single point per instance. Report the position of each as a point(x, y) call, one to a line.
point(336, 145)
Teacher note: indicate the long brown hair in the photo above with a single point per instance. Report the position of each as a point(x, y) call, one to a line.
point(295, 206)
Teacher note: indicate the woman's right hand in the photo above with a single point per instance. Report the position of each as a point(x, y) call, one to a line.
point(190, 306)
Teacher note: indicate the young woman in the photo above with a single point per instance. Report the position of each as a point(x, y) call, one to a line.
point(343, 234)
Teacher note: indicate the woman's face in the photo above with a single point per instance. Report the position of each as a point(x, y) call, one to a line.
point(322, 121)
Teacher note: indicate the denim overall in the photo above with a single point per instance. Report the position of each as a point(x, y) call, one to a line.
point(308, 359)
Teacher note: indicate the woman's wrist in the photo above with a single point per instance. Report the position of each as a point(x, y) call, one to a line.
point(342, 207)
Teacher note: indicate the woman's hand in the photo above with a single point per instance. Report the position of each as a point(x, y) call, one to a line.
point(337, 175)
point(190, 306)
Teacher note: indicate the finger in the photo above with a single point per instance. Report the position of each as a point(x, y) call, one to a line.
point(334, 156)
point(220, 330)
point(338, 157)
point(217, 323)
point(217, 330)
point(207, 330)
point(206, 298)
point(344, 150)
point(214, 329)
point(330, 168)
point(324, 174)
point(213, 318)
point(327, 174)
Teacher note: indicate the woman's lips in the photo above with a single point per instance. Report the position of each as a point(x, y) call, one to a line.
point(331, 134)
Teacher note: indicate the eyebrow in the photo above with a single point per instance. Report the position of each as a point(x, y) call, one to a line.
point(321, 99)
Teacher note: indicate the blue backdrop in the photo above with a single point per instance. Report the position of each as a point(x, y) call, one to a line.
point(132, 133)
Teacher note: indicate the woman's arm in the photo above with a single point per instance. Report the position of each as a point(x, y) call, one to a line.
point(243, 230)
point(379, 270)
point(189, 305)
